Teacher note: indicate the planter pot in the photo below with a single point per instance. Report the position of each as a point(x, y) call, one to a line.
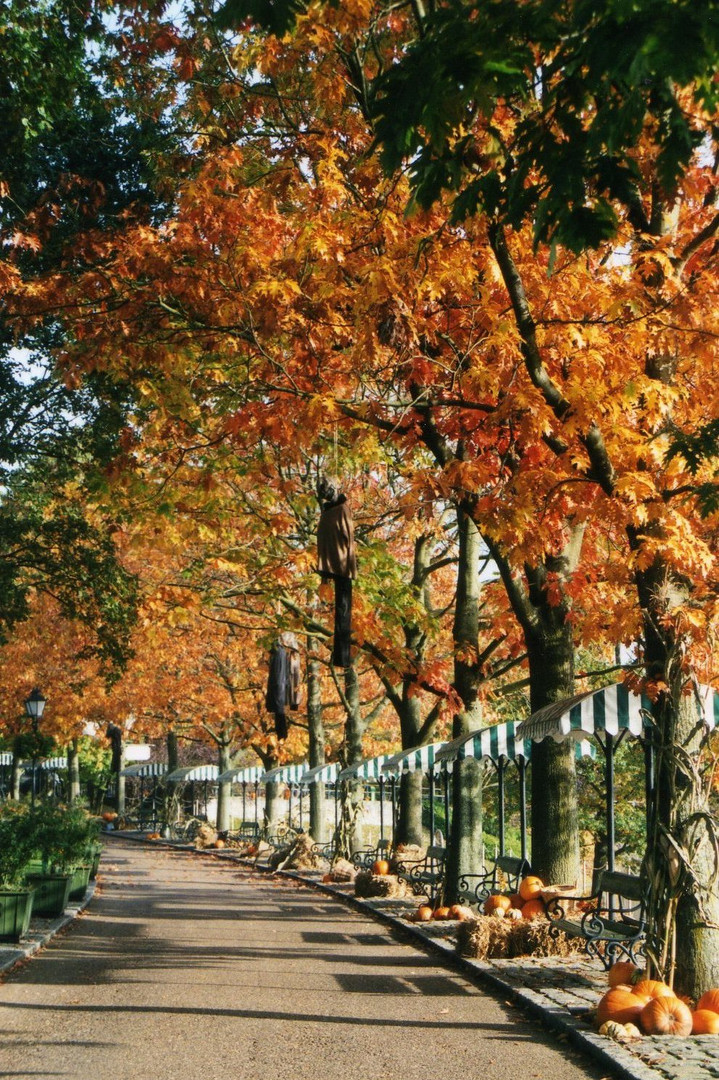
point(15, 912)
point(79, 881)
point(52, 892)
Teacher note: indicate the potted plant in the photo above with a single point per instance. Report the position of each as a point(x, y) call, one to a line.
point(16, 848)
point(61, 838)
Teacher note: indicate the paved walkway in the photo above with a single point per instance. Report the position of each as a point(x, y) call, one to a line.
point(190, 967)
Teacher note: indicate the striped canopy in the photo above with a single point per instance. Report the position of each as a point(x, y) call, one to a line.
point(248, 774)
point(5, 758)
point(285, 774)
point(612, 709)
point(418, 759)
point(371, 769)
point(147, 768)
point(194, 772)
point(497, 742)
point(322, 773)
point(54, 763)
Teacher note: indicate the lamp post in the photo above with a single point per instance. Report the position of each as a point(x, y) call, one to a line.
point(35, 707)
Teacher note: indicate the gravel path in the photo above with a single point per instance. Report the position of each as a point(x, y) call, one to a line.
point(190, 969)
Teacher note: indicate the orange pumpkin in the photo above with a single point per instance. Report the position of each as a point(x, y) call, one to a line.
point(620, 1004)
point(666, 1016)
point(516, 901)
point(441, 913)
point(530, 887)
point(623, 971)
point(653, 988)
point(327, 879)
point(533, 909)
point(496, 904)
point(705, 1022)
point(709, 1000)
point(380, 867)
point(219, 844)
point(423, 913)
point(461, 912)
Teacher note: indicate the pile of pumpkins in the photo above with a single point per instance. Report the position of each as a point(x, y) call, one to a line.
point(634, 1005)
point(526, 903)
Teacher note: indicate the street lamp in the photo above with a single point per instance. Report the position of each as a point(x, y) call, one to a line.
point(35, 707)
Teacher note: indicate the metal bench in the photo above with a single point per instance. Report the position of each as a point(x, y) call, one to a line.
point(365, 857)
point(503, 877)
point(426, 876)
point(612, 919)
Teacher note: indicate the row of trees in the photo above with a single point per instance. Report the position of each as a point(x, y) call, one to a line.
point(520, 367)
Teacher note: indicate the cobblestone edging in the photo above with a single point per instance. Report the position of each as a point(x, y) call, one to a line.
point(41, 931)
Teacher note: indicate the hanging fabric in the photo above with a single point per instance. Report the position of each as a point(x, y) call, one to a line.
point(337, 561)
point(289, 641)
point(278, 688)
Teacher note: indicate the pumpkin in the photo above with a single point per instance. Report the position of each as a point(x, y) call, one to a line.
point(620, 1004)
point(514, 912)
point(380, 867)
point(461, 912)
point(516, 901)
point(533, 909)
point(613, 1030)
point(423, 913)
point(632, 1031)
point(441, 912)
point(219, 844)
point(327, 879)
point(653, 988)
point(109, 815)
point(623, 971)
point(666, 1016)
point(709, 1000)
point(252, 849)
point(494, 904)
point(530, 887)
point(705, 1022)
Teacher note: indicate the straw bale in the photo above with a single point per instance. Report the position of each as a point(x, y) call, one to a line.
point(489, 937)
point(368, 884)
point(342, 870)
point(206, 836)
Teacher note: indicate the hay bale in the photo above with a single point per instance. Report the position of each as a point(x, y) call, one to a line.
point(368, 884)
point(206, 836)
point(490, 937)
point(343, 871)
point(405, 856)
point(300, 856)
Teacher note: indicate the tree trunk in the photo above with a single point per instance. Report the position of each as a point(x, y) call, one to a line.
point(464, 850)
point(224, 789)
point(681, 862)
point(554, 810)
point(350, 837)
point(318, 812)
point(15, 777)
point(409, 809)
point(73, 769)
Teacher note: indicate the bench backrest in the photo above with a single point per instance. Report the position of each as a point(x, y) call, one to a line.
point(436, 854)
point(615, 883)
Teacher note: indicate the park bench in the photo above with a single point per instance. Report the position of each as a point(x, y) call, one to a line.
point(426, 876)
point(503, 877)
point(365, 857)
point(611, 920)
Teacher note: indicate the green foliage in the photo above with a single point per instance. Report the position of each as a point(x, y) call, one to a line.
point(277, 16)
point(17, 841)
point(62, 835)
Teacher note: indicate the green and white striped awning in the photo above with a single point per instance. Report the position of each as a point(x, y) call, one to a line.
point(371, 769)
point(247, 774)
point(285, 774)
point(326, 774)
point(5, 758)
point(147, 768)
point(497, 742)
point(418, 759)
point(54, 763)
point(194, 772)
point(612, 709)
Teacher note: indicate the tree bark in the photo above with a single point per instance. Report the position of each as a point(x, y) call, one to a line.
point(350, 837)
point(73, 769)
point(15, 777)
point(224, 789)
point(318, 812)
point(464, 850)
point(682, 858)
